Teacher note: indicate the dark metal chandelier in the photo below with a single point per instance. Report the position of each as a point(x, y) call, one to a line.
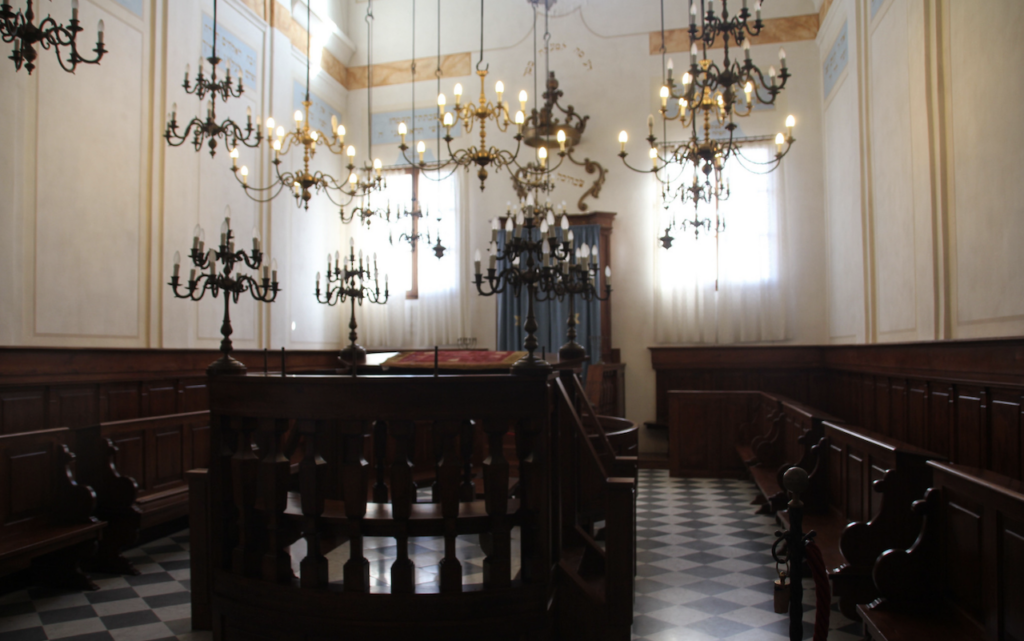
point(20, 29)
point(477, 116)
point(542, 258)
point(208, 130)
point(354, 282)
point(264, 289)
point(708, 97)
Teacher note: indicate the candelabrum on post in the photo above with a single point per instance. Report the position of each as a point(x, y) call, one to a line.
point(20, 29)
point(540, 256)
point(580, 278)
point(353, 281)
point(232, 286)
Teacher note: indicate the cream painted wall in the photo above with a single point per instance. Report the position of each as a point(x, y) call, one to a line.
point(922, 172)
point(93, 203)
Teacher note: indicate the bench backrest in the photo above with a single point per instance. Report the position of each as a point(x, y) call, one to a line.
point(37, 481)
point(981, 546)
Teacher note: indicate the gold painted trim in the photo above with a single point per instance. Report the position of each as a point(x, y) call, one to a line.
point(400, 71)
point(823, 11)
point(776, 30)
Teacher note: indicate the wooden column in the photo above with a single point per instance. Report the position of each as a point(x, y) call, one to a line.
point(312, 487)
point(403, 495)
point(498, 564)
point(354, 473)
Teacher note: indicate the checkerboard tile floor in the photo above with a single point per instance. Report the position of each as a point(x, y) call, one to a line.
point(704, 565)
point(704, 571)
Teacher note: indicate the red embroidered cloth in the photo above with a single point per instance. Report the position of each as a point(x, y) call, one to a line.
point(456, 359)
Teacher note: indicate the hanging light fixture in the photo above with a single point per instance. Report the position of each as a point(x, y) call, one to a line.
point(707, 97)
point(477, 115)
point(208, 130)
point(303, 183)
point(20, 29)
point(414, 215)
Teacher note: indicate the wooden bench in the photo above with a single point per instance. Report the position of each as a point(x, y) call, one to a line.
point(963, 577)
point(46, 518)
point(860, 489)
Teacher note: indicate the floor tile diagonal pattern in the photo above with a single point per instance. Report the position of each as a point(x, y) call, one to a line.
point(704, 572)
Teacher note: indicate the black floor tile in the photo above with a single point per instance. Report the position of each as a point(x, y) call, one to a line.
point(67, 614)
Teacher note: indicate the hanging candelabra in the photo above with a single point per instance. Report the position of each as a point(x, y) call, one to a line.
point(20, 29)
point(232, 286)
point(208, 130)
point(417, 219)
point(362, 182)
point(355, 282)
point(477, 115)
point(539, 250)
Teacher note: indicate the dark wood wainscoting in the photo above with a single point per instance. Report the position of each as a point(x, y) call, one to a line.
point(42, 388)
point(961, 399)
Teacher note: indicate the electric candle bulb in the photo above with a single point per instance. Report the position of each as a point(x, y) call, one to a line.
point(520, 119)
point(585, 250)
point(174, 111)
point(550, 219)
point(298, 117)
point(441, 102)
point(664, 95)
point(544, 229)
point(177, 263)
point(746, 48)
point(74, 9)
point(273, 270)
point(195, 237)
point(654, 157)
point(757, 10)
point(297, 187)
point(748, 90)
point(570, 237)
point(782, 57)
point(608, 275)
point(693, 13)
point(790, 123)
point(623, 138)
point(522, 100)
point(234, 157)
point(377, 165)
point(492, 261)
point(650, 124)
point(280, 131)
point(499, 88)
point(687, 78)
point(245, 175)
point(771, 73)
point(693, 54)
point(542, 155)
point(564, 224)
point(561, 139)
point(508, 225)
point(351, 152)
point(682, 105)
point(277, 145)
point(448, 120)
point(314, 135)
point(458, 93)
point(476, 261)
point(341, 133)
point(100, 28)
point(353, 179)
point(779, 141)
point(494, 229)
point(670, 67)
point(421, 148)
point(402, 129)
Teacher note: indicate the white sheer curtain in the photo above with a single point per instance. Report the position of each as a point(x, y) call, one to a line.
point(438, 316)
point(725, 289)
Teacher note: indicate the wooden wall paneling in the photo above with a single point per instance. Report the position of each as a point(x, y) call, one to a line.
point(853, 480)
point(970, 427)
point(1010, 538)
point(938, 431)
point(1006, 451)
point(32, 465)
point(192, 396)
point(732, 380)
point(882, 405)
point(791, 383)
point(868, 417)
point(836, 461)
point(22, 410)
point(120, 401)
point(169, 454)
point(917, 413)
point(898, 391)
point(159, 398)
point(963, 551)
point(74, 405)
point(873, 500)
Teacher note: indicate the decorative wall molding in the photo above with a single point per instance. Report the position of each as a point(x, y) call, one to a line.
point(776, 30)
point(400, 71)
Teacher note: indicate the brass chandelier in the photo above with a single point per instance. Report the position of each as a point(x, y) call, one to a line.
point(708, 96)
point(305, 182)
point(20, 29)
point(477, 115)
point(209, 130)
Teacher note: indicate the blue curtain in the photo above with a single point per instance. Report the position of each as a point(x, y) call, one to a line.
point(551, 315)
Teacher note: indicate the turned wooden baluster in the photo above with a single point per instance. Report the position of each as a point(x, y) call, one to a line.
point(498, 564)
point(446, 433)
point(380, 453)
point(403, 494)
point(354, 477)
point(244, 469)
point(530, 450)
point(467, 492)
point(312, 489)
point(273, 472)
